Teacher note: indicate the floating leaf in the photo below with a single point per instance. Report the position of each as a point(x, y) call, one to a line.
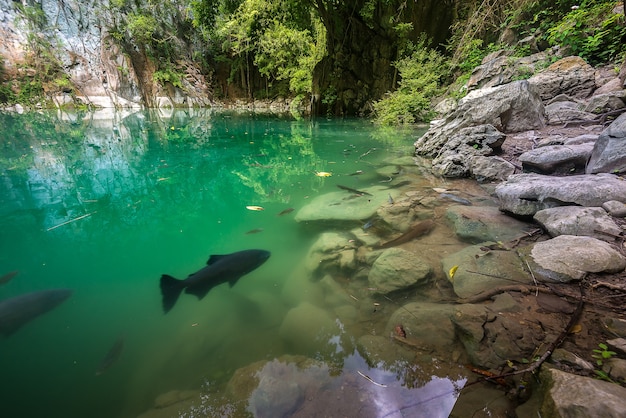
point(452, 272)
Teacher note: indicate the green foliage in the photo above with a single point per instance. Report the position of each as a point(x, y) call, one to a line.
point(602, 353)
point(141, 27)
point(168, 75)
point(421, 74)
point(593, 32)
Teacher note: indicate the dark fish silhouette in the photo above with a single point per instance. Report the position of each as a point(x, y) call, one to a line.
point(112, 356)
point(17, 311)
point(7, 277)
point(350, 189)
point(254, 231)
point(418, 230)
point(285, 211)
point(455, 198)
point(219, 269)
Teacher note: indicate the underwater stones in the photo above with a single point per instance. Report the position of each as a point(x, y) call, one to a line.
point(567, 258)
point(344, 207)
point(477, 224)
point(332, 251)
point(480, 270)
point(526, 194)
point(426, 324)
point(307, 328)
point(577, 220)
point(397, 269)
point(377, 349)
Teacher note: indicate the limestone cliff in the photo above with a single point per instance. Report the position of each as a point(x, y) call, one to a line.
point(79, 51)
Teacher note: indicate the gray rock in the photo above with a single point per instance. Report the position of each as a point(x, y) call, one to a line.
point(490, 168)
point(615, 368)
point(609, 152)
point(500, 68)
point(513, 107)
point(377, 349)
point(342, 206)
point(615, 208)
point(557, 159)
point(561, 356)
point(478, 224)
point(308, 329)
point(397, 269)
point(570, 75)
point(453, 160)
point(618, 345)
point(577, 220)
point(560, 113)
point(568, 395)
point(602, 103)
point(614, 85)
point(567, 258)
point(581, 139)
point(525, 194)
point(480, 270)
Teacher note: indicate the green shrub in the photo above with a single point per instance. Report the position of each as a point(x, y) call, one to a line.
point(421, 74)
point(594, 32)
point(169, 76)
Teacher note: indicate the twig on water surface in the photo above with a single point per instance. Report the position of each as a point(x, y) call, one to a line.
point(370, 379)
point(70, 221)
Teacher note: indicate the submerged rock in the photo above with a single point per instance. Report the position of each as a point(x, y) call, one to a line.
point(428, 325)
point(480, 270)
point(477, 224)
point(567, 258)
point(525, 194)
point(397, 269)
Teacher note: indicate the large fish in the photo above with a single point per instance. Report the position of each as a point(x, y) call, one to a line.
point(19, 310)
point(219, 269)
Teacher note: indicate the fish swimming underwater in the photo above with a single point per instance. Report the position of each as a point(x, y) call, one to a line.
point(416, 231)
point(17, 311)
point(219, 269)
point(7, 277)
point(112, 356)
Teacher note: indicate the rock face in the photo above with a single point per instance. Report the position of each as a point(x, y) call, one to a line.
point(525, 194)
point(570, 75)
point(512, 107)
point(609, 151)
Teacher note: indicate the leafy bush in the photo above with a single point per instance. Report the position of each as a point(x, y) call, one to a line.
point(169, 76)
point(594, 32)
point(421, 73)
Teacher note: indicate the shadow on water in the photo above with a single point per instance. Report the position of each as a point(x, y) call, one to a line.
point(104, 204)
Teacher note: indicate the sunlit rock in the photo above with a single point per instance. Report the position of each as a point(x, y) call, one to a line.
point(397, 269)
point(567, 257)
point(577, 220)
point(570, 75)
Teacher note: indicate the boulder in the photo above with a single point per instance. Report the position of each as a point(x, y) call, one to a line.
point(567, 258)
point(477, 224)
point(557, 159)
point(525, 194)
point(453, 159)
point(307, 328)
point(602, 103)
point(512, 107)
point(561, 112)
point(343, 207)
point(492, 168)
point(397, 269)
point(577, 220)
point(609, 152)
point(568, 395)
point(570, 75)
point(480, 269)
point(615, 208)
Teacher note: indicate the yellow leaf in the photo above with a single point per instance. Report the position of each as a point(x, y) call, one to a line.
point(452, 272)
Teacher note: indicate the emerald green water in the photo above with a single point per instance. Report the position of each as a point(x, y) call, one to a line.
point(105, 205)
